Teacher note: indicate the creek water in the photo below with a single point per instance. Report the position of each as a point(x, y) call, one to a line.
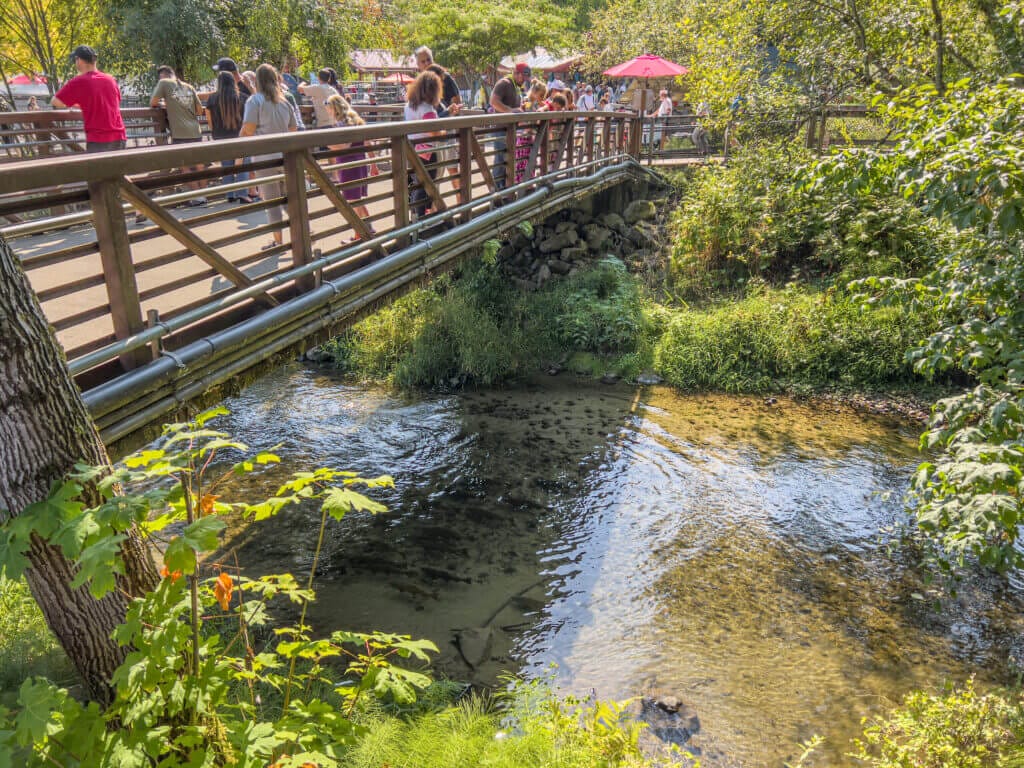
point(721, 549)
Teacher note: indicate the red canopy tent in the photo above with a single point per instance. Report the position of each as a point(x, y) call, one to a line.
point(647, 66)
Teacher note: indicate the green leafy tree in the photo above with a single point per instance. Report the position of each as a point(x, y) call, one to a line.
point(38, 35)
point(960, 159)
point(473, 37)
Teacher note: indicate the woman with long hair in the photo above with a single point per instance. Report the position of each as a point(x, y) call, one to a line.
point(268, 112)
point(525, 138)
point(224, 116)
point(423, 99)
point(354, 178)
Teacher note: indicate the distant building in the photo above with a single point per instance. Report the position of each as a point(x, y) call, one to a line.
point(377, 64)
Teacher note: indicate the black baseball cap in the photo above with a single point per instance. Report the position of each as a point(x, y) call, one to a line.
point(85, 53)
point(225, 65)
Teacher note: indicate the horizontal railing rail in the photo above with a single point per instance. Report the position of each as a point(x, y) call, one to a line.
point(44, 133)
point(164, 254)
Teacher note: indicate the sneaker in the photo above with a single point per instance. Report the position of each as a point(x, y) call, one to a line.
point(197, 202)
point(268, 246)
point(140, 219)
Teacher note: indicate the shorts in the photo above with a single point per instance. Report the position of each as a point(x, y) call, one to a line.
point(104, 146)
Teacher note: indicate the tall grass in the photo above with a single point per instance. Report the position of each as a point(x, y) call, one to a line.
point(538, 730)
point(480, 328)
point(788, 338)
point(27, 647)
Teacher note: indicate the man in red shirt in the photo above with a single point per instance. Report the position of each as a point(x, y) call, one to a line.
point(97, 95)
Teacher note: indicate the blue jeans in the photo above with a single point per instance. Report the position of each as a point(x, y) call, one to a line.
point(231, 178)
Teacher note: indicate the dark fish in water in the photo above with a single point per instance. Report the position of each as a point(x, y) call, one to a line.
point(412, 589)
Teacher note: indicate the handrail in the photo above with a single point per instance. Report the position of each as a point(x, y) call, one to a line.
point(31, 174)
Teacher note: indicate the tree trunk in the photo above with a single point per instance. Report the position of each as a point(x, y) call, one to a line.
point(940, 48)
point(44, 430)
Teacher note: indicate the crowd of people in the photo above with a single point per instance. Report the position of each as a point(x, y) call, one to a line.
point(267, 101)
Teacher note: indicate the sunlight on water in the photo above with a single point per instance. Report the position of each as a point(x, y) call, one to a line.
point(717, 548)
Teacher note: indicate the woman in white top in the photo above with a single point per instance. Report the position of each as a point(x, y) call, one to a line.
point(423, 98)
point(267, 112)
point(664, 107)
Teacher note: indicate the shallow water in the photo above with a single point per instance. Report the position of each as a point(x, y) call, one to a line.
point(717, 548)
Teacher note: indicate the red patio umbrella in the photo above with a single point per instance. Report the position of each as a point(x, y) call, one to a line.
point(647, 66)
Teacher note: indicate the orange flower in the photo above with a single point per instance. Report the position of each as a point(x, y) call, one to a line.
point(206, 503)
point(173, 576)
point(222, 590)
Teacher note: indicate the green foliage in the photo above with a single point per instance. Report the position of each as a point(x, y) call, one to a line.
point(27, 647)
point(783, 338)
point(960, 729)
point(481, 328)
point(535, 728)
point(751, 219)
point(473, 36)
point(186, 696)
point(960, 159)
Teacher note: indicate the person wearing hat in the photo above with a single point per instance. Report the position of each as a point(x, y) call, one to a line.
point(228, 65)
point(97, 95)
point(587, 102)
point(507, 96)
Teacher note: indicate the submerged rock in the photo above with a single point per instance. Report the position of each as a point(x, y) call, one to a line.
point(475, 644)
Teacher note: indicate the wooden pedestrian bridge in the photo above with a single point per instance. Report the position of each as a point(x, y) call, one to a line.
point(157, 314)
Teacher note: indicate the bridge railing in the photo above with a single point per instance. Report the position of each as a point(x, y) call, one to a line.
point(147, 268)
point(47, 133)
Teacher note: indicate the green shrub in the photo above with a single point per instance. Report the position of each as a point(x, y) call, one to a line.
point(757, 218)
point(27, 647)
point(775, 338)
point(961, 729)
point(534, 729)
point(478, 327)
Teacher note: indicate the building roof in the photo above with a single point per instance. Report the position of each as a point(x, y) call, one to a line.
point(540, 59)
point(379, 60)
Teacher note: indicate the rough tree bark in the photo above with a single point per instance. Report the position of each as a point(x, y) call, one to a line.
point(44, 430)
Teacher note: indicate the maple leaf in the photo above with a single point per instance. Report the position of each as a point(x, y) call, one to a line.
point(222, 590)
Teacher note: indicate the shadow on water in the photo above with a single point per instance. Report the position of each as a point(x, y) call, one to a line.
point(718, 548)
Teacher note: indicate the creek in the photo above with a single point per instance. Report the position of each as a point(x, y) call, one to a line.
point(726, 550)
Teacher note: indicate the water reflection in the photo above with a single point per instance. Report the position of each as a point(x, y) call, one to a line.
point(720, 548)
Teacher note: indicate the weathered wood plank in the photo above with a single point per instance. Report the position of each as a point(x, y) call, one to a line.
point(159, 215)
point(429, 186)
point(118, 271)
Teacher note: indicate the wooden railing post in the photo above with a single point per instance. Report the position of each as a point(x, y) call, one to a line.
point(588, 141)
point(606, 138)
point(466, 169)
point(118, 271)
point(545, 148)
point(510, 155)
point(400, 185)
point(298, 217)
